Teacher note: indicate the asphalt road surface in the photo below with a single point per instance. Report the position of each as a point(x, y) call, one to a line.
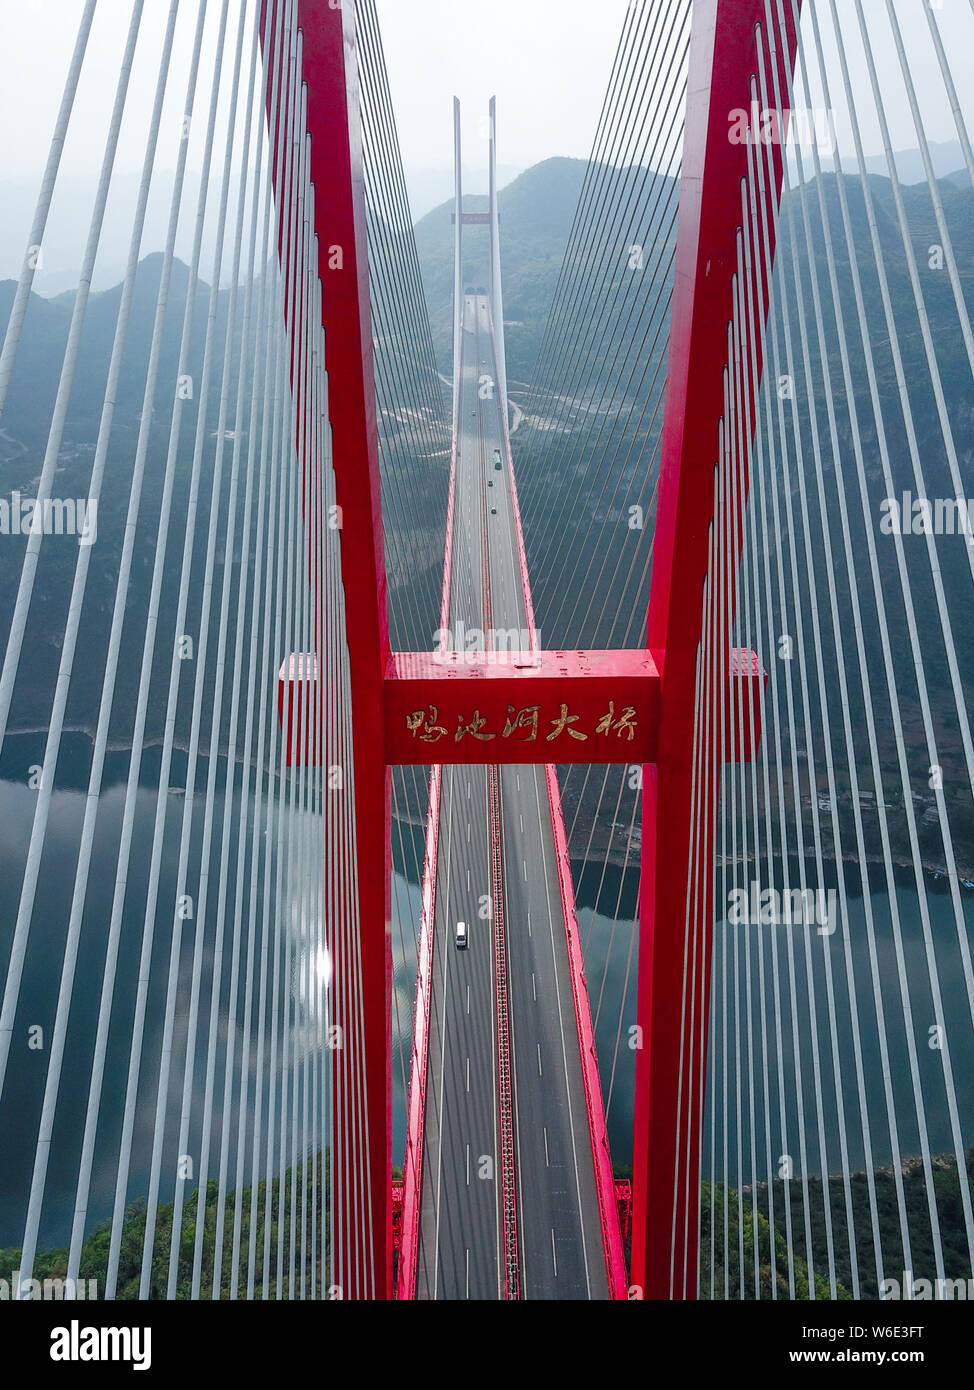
point(559, 1237)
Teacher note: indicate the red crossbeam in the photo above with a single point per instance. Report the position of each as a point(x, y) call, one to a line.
point(520, 707)
point(476, 708)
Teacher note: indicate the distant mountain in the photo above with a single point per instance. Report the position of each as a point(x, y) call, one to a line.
point(536, 213)
point(35, 379)
point(590, 438)
point(74, 197)
point(429, 187)
point(945, 156)
point(415, 553)
point(67, 227)
point(23, 440)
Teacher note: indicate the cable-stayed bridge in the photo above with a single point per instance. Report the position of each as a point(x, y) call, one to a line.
point(522, 840)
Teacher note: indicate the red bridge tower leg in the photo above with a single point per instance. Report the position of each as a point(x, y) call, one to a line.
point(666, 1157)
point(362, 1132)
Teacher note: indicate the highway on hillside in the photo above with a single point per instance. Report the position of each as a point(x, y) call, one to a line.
point(560, 1251)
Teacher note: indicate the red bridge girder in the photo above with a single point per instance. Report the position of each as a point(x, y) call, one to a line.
point(524, 708)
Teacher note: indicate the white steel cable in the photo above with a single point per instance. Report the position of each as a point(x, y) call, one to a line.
point(776, 376)
point(15, 323)
point(25, 587)
point(262, 190)
point(135, 1051)
point(56, 722)
point(200, 650)
point(108, 690)
point(205, 622)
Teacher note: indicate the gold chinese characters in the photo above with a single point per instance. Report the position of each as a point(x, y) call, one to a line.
point(522, 725)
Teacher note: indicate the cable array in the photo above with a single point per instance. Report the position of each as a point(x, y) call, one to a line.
point(414, 450)
point(827, 952)
point(176, 1090)
point(594, 415)
point(182, 1135)
point(837, 1122)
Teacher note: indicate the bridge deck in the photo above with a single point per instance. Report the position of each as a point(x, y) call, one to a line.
point(560, 1244)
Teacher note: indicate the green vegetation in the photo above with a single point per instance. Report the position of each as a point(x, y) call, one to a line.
point(536, 213)
point(726, 1228)
point(307, 1198)
point(732, 1221)
point(728, 1212)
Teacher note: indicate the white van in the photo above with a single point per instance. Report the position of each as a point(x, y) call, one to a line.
point(461, 936)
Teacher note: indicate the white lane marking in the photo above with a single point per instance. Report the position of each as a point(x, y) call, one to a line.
point(521, 819)
point(517, 778)
point(530, 932)
point(540, 1072)
point(468, 998)
point(468, 880)
point(520, 1195)
point(468, 1073)
point(468, 1165)
point(446, 991)
point(544, 1130)
point(519, 1188)
point(468, 832)
point(561, 1024)
point(554, 1257)
point(524, 864)
point(468, 1267)
point(534, 986)
point(493, 1059)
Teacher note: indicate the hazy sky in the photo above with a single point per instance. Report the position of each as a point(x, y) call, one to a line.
point(547, 61)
